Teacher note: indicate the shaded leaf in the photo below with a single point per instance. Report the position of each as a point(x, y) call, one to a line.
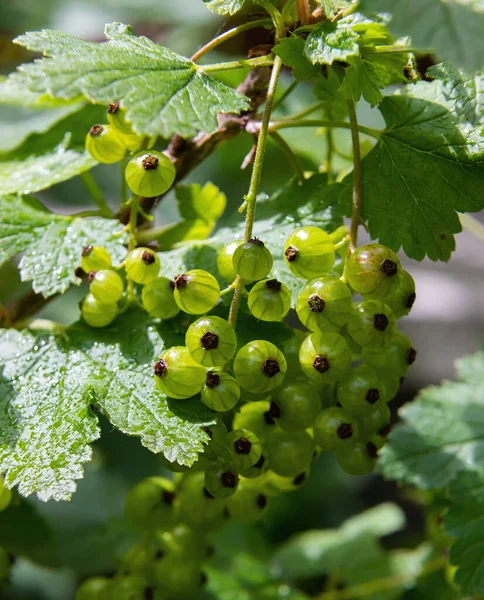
point(197, 202)
point(291, 51)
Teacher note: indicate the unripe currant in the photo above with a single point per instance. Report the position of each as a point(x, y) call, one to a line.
point(269, 300)
point(360, 390)
point(399, 355)
point(95, 258)
point(142, 265)
point(334, 428)
point(248, 504)
point(252, 260)
point(357, 460)
point(245, 446)
point(259, 468)
point(196, 507)
point(374, 269)
point(158, 299)
point(98, 314)
point(106, 285)
point(256, 417)
point(149, 503)
point(295, 405)
point(117, 119)
point(221, 480)
point(372, 325)
point(225, 260)
point(221, 391)
point(217, 434)
point(259, 366)
point(324, 303)
point(402, 300)
point(309, 252)
point(105, 144)
point(211, 341)
point(196, 291)
point(377, 421)
point(150, 173)
point(324, 357)
point(290, 452)
point(94, 588)
point(177, 375)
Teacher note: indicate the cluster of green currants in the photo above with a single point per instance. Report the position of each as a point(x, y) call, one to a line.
point(6, 559)
point(148, 173)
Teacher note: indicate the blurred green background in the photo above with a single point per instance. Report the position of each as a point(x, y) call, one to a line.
point(76, 539)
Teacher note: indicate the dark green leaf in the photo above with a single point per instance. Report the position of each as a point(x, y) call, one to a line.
point(291, 50)
point(327, 89)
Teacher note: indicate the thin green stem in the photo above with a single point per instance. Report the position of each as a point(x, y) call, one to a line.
point(285, 94)
point(96, 194)
point(291, 156)
point(250, 63)
point(395, 49)
point(383, 584)
point(251, 197)
point(472, 225)
point(223, 37)
point(275, 16)
point(286, 123)
point(124, 187)
point(329, 154)
point(132, 240)
point(357, 188)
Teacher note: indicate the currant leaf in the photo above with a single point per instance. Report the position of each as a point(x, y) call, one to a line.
point(291, 51)
point(224, 7)
point(196, 202)
point(49, 382)
point(442, 432)
point(163, 92)
point(51, 243)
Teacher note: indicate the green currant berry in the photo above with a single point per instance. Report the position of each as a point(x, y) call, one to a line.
point(158, 298)
point(290, 349)
point(375, 422)
point(324, 303)
point(132, 587)
point(290, 452)
point(309, 252)
point(211, 341)
point(275, 485)
point(185, 543)
point(324, 357)
point(252, 260)
point(117, 119)
point(245, 446)
point(5, 495)
point(397, 357)
point(374, 269)
point(269, 300)
point(334, 427)
point(259, 468)
point(221, 480)
point(372, 324)
point(196, 507)
point(217, 434)
point(150, 503)
point(295, 406)
point(95, 258)
point(248, 504)
point(356, 349)
point(360, 390)
point(356, 460)
point(178, 579)
point(259, 366)
point(150, 173)
point(224, 260)
point(106, 285)
point(98, 314)
point(377, 442)
point(177, 375)
point(256, 417)
point(402, 300)
point(139, 561)
point(142, 265)
point(196, 291)
point(105, 144)
point(391, 383)
point(95, 588)
point(221, 391)
point(5, 564)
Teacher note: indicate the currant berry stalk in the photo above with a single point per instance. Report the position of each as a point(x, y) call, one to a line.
point(356, 202)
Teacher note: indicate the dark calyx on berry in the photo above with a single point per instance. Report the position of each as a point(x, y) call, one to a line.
point(242, 446)
point(160, 367)
point(96, 130)
point(321, 363)
point(316, 303)
point(148, 257)
point(268, 418)
point(256, 241)
point(372, 450)
point(229, 479)
point(290, 253)
point(113, 107)
point(271, 367)
point(273, 285)
point(389, 267)
point(275, 411)
point(148, 593)
point(209, 341)
point(168, 497)
point(261, 501)
point(384, 431)
point(411, 300)
point(260, 463)
point(149, 162)
point(299, 479)
point(372, 396)
point(344, 431)
point(411, 356)
point(91, 275)
point(380, 322)
point(212, 380)
point(181, 281)
point(86, 250)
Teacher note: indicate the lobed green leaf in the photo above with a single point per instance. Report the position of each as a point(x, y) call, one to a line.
point(224, 7)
